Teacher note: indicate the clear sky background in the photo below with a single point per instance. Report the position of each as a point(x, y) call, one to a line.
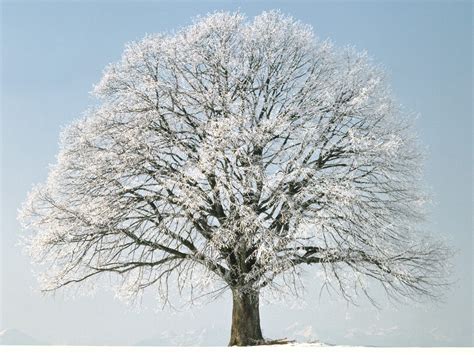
point(52, 54)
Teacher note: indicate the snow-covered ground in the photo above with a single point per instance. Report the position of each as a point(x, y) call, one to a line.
point(299, 348)
point(13, 341)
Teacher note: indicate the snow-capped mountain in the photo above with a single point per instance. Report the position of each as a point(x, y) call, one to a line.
point(17, 337)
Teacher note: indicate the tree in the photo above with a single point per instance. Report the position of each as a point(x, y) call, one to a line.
point(235, 154)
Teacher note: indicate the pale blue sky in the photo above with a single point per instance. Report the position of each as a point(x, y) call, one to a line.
point(52, 54)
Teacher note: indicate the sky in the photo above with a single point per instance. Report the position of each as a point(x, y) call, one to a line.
point(53, 52)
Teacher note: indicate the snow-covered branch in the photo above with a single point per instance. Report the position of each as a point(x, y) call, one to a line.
point(244, 151)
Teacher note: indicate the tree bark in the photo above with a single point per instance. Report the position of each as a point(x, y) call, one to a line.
point(245, 319)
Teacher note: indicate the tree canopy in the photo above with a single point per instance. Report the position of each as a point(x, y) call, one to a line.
point(234, 153)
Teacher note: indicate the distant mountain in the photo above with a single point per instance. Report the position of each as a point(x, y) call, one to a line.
point(17, 337)
point(202, 337)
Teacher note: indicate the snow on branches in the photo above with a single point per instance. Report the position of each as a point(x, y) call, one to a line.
point(237, 152)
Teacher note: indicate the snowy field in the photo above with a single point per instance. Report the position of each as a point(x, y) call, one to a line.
point(269, 349)
point(13, 336)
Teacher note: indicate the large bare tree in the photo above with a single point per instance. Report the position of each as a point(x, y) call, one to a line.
point(233, 154)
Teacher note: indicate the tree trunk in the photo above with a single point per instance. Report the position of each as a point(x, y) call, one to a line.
point(245, 319)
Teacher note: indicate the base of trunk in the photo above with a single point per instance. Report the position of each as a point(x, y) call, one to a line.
point(245, 319)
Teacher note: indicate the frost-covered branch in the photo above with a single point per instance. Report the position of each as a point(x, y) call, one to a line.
point(240, 152)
